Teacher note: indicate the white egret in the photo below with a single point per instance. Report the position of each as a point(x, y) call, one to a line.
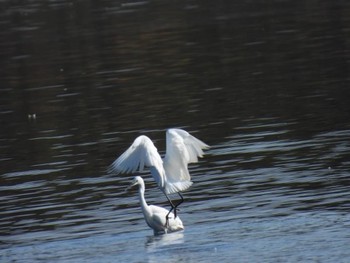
point(171, 173)
point(155, 216)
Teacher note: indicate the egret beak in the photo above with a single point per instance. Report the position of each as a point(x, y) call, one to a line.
point(130, 186)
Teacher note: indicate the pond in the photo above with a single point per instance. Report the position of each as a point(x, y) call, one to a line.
point(266, 85)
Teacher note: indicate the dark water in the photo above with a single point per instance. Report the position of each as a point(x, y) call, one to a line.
point(266, 84)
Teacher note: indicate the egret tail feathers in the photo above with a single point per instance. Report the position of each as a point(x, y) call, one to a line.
point(176, 187)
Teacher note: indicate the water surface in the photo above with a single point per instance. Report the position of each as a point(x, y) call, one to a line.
point(265, 85)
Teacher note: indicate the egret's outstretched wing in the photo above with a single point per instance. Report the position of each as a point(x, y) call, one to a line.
point(193, 146)
point(181, 149)
point(140, 154)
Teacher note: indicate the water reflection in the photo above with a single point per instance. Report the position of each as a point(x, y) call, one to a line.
point(166, 248)
point(157, 243)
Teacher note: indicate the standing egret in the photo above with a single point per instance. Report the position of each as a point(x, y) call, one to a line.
point(171, 172)
point(155, 216)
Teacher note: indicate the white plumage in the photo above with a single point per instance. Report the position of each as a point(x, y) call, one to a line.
point(155, 216)
point(170, 173)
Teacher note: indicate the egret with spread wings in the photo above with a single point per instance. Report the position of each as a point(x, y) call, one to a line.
point(171, 173)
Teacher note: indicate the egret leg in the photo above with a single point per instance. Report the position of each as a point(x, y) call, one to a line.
point(179, 203)
point(171, 209)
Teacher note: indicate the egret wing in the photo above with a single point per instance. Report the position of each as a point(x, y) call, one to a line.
point(181, 149)
point(140, 154)
point(192, 145)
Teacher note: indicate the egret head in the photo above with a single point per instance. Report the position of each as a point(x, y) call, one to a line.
point(136, 181)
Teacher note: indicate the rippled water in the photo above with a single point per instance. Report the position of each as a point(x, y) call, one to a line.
point(265, 85)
